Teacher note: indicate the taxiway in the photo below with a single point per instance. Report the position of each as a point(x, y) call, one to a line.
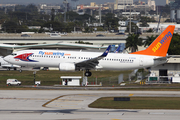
point(73, 105)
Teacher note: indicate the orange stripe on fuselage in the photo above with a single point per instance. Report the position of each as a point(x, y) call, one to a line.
point(160, 46)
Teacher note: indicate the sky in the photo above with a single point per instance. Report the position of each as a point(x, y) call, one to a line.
point(158, 2)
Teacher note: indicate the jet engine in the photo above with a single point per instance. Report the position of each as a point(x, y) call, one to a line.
point(67, 67)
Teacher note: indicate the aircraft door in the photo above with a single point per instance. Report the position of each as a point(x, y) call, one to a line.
point(141, 60)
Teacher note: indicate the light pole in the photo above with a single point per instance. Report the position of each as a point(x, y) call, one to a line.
point(65, 3)
point(109, 25)
point(51, 27)
point(34, 73)
point(100, 14)
point(130, 21)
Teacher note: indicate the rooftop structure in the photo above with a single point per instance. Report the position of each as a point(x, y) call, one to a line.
point(137, 6)
point(169, 1)
point(7, 5)
point(46, 7)
point(92, 6)
point(175, 11)
point(121, 4)
point(124, 2)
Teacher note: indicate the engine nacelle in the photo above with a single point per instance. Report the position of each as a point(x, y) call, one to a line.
point(67, 67)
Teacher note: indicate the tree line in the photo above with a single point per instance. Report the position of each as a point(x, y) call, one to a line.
point(28, 15)
point(18, 21)
point(133, 41)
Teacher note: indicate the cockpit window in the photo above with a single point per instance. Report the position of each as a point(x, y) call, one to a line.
point(13, 54)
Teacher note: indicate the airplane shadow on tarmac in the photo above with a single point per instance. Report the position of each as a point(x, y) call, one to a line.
point(67, 111)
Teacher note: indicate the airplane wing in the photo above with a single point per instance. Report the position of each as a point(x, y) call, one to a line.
point(92, 63)
point(7, 46)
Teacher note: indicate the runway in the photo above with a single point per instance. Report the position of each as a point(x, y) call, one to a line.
point(73, 105)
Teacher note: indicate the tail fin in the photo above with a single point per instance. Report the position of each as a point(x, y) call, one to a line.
point(160, 46)
point(117, 50)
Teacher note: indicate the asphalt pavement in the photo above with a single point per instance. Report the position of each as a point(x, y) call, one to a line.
point(73, 105)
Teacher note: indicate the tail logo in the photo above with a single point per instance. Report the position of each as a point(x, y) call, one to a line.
point(166, 38)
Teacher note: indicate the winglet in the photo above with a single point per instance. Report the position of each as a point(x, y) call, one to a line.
point(106, 51)
point(117, 50)
point(160, 46)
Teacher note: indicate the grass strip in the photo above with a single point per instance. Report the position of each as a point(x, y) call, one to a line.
point(138, 103)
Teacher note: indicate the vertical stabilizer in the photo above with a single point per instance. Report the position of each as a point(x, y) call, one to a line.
point(160, 45)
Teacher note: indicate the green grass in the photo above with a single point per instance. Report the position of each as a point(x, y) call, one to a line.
point(50, 78)
point(138, 103)
point(108, 78)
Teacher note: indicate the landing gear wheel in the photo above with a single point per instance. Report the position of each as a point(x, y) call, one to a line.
point(88, 74)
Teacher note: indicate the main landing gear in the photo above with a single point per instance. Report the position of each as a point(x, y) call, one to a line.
point(88, 73)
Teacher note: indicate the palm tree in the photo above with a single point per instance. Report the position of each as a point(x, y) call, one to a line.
point(133, 41)
point(149, 40)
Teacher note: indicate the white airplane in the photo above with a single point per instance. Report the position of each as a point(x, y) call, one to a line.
point(8, 66)
point(155, 54)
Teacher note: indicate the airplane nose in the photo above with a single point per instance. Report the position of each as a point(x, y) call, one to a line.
point(6, 58)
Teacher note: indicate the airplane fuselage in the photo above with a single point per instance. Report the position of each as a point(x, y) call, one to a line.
point(53, 58)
